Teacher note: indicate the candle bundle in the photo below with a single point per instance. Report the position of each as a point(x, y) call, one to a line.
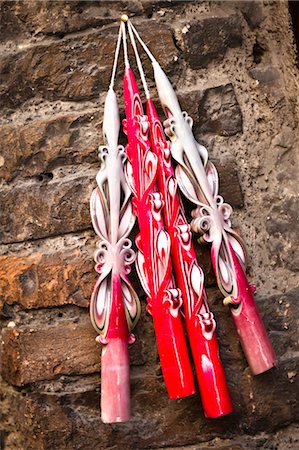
point(166, 262)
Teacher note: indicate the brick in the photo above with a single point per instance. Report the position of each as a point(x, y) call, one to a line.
point(62, 342)
point(48, 17)
point(36, 210)
point(46, 277)
point(219, 111)
point(62, 206)
point(75, 400)
point(65, 414)
point(229, 184)
point(280, 317)
point(207, 41)
point(31, 354)
point(270, 399)
point(31, 149)
point(253, 13)
point(214, 110)
point(71, 416)
point(74, 69)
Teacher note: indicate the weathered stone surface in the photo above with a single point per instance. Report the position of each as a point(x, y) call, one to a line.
point(74, 69)
point(266, 75)
point(229, 184)
point(64, 344)
point(41, 145)
point(48, 17)
point(253, 12)
point(65, 414)
point(30, 149)
point(214, 110)
point(219, 111)
point(45, 209)
point(66, 332)
point(282, 245)
point(47, 278)
point(71, 416)
point(208, 40)
point(64, 70)
point(31, 354)
point(49, 208)
point(53, 272)
point(263, 394)
point(280, 316)
point(285, 439)
point(75, 401)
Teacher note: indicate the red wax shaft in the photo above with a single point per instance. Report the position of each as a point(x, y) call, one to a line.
point(210, 373)
point(171, 342)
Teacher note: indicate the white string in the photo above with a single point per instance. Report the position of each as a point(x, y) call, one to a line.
point(146, 49)
point(123, 28)
point(139, 64)
point(115, 59)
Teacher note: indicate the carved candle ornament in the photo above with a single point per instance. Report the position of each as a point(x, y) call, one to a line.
point(153, 259)
point(114, 307)
point(199, 320)
point(198, 181)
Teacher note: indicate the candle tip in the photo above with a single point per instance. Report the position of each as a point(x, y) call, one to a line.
point(124, 18)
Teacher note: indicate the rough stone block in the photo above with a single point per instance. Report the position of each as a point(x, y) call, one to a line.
point(219, 111)
point(36, 210)
point(67, 417)
point(270, 398)
point(263, 397)
point(45, 277)
point(31, 149)
point(25, 19)
point(66, 413)
point(229, 184)
point(31, 353)
point(74, 69)
point(62, 342)
point(48, 17)
point(280, 316)
point(75, 400)
point(58, 206)
point(208, 40)
point(214, 110)
point(253, 13)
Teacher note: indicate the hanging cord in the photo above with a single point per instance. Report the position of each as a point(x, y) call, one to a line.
point(124, 19)
point(116, 58)
point(146, 49)
point(139, 64)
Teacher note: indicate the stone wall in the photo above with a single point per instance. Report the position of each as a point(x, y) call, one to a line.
point(233, 65)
